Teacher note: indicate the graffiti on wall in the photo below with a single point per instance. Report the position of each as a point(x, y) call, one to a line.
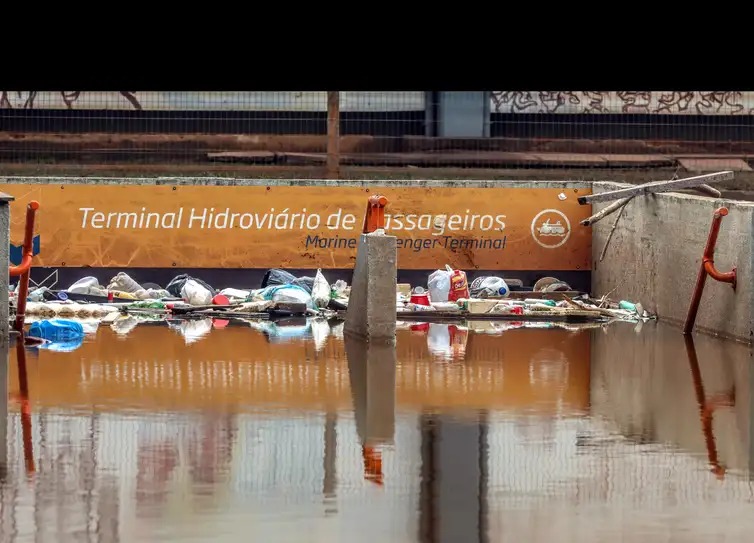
point(626, 102)
point(26, 99)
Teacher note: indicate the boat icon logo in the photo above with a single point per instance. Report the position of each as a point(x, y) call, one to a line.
point(550, 228)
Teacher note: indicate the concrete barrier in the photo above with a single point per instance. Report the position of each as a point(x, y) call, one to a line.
point(655, 254)
point(5, 201)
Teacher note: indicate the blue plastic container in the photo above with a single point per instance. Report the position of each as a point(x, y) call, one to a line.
point(58, 330)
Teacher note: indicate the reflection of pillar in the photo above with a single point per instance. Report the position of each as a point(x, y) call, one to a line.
point(23, 386)
point(371, 370)
point(453, 495)
point(4, 361)
point(331, 442)
point(751, 415)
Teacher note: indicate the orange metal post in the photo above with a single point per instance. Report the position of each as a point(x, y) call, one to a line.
point(23, 270)
point(708, 268)
point(375, 214)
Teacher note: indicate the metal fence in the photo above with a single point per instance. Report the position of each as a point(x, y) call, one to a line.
point(406, 129)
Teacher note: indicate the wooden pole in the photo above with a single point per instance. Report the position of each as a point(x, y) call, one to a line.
point(333, 135)
point(657, 186)
point(607, 210)
point(708, 191)
point(612, 230)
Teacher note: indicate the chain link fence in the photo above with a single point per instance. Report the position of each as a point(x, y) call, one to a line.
point(228, 131)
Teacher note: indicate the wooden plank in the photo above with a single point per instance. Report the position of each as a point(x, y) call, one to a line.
point(557, 295)
point(249, 157)
point(657, 186)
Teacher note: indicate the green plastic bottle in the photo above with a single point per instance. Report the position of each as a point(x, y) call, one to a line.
point(628, 306)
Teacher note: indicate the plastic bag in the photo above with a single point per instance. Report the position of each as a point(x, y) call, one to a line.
point(459, 285)
point(57, 330)
point(176, 285)
point(285, 293)
point(85, 285)
point(124, 283)
point(235, 293)
point(306, 283)
point(339, 288)
point(195, 293)
point(156, 294)
point(439, 286)
point(489, 287)
point(321, 290)
point(277, 277)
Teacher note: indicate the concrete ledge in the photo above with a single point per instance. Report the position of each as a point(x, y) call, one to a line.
point(655, 255)
point(229, 181)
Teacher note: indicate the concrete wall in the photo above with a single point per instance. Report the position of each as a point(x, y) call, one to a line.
point(655, 254)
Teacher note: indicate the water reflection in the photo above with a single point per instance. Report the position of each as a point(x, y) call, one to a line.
point(371, 368)
point(451, 434)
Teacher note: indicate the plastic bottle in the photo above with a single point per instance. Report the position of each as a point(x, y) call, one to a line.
point(628, 306)
point(490, 287)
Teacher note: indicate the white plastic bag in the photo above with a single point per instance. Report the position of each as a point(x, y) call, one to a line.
point(321, 290)
point(235, 293)
point(157, 294)
point(292, 293)
point(195, 294)
point(439, 286)
point(84, 285)
point(124, 283)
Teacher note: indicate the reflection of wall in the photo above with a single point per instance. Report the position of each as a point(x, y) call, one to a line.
point(237, 368)
point(644, 384)
point(628, 102)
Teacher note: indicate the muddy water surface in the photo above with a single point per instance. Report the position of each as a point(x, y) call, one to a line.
point(202, 432)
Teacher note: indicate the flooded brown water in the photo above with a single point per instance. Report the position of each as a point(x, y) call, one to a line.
point(288, 433)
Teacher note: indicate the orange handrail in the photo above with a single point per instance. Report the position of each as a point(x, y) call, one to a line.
point(23, 270)
point(16, 271)
point(708, 268)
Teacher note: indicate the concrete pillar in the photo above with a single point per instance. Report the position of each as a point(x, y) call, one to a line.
point(372, 306)
point(459, 114)
point(371, 371)
point(5, 201)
